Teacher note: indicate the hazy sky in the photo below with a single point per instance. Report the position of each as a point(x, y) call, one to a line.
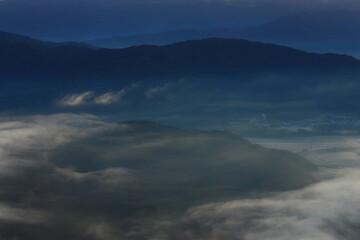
point(86, 19)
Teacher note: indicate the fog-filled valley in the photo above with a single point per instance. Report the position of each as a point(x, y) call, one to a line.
point(75, 176)
point(179, 120)
point(148, 142)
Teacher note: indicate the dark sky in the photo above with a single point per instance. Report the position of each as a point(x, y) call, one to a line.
point(87, 19)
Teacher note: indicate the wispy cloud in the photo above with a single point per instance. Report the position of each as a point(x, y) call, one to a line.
point(89, 97)
point(110, 97)
point(76, 99)
point(152, 92)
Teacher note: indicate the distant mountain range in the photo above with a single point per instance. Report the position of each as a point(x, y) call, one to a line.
point(331, 31)
point(17, 38)
point(162, 38)
point(208, 57)
point(309, 26)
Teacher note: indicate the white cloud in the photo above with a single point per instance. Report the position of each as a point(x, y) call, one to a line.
point(328, 210)
point(37, 134)
point(89, 97)
point(76, 99)
point(110, 97)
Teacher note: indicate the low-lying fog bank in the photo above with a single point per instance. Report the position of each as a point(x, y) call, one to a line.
point(74, 176)
point(324, 151)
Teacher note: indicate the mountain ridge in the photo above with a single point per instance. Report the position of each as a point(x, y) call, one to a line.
point(323, 31)
point(193, 57)
point(18, 38)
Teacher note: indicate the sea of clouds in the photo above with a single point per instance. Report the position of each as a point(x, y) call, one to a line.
point(42, 199)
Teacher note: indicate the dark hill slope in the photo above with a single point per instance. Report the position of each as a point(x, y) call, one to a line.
point(207, 57)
